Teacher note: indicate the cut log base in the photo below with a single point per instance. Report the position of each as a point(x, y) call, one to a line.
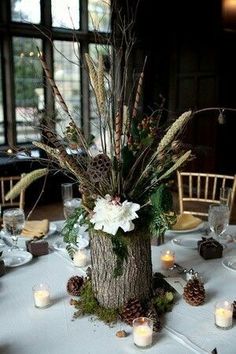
point(136, 279)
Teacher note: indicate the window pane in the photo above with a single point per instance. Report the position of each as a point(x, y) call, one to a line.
point(67, 77)
point(94, 50)
point(29, 93)
point(99, 15)
point(2, 139)
point(65, 13)
point(25, 10)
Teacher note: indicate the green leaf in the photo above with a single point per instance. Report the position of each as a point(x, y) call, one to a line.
point(120, 249)
point(146, 141)
point(69, 231)
point(162, 199)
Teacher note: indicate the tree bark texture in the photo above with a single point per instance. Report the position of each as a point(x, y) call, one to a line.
point(135, 282)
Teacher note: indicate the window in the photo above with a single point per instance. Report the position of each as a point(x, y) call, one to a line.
point(67, 76)
point(62, 30)
point(65, 13)
point(99, 15)
point(25, 10)
point(29, 94)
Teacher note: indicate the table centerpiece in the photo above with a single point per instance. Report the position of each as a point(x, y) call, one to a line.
point(125, 197)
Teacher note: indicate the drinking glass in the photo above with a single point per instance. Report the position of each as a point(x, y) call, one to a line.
point(66, 191)
point(69, 206)
point(225, 196)
point(13, 223)
point(218, 218)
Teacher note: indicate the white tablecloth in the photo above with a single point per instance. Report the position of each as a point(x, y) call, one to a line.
point(27, 330)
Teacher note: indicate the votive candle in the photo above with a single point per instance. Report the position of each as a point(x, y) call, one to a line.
point(142, 332)
point(224, 314)
point(80, 258)
point(41, 293)
point(167, 259)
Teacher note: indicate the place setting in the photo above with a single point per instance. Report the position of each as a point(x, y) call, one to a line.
point(21, 240)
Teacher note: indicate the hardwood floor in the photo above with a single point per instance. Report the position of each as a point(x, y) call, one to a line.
point(51, 212)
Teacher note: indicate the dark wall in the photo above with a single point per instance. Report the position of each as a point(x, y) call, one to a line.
point(191, 61)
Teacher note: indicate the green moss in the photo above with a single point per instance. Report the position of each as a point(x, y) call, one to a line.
point(163, 300)
point(88, 305)
point(107, 315)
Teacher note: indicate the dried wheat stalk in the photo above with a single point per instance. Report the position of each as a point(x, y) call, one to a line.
point(173, 130)
point(24, 182)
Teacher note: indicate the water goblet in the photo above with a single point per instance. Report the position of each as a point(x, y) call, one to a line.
point(69, 206)
point(13, 224)
point(218, 219)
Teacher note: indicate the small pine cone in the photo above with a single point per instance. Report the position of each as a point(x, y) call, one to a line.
point(131, 310)
point(152, 314)
point(194, 292)
point(234, 309)
point(74, 285)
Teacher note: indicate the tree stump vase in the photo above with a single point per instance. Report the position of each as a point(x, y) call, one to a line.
point(136, 279)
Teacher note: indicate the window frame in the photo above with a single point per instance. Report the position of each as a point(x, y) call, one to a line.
point(10, 29)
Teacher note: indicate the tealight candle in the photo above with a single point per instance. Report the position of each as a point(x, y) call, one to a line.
point(224, 314)
point(142, 331)
point(167, 259)
point(80, 258)
point(41, 293)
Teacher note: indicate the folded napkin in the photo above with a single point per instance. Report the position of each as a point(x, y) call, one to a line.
point(186, 221)
point(37, 228)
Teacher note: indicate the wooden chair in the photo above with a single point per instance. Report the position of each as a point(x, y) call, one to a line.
point(6, 183)
point(198, 190)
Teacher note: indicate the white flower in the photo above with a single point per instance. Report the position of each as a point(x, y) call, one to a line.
point(109, 215)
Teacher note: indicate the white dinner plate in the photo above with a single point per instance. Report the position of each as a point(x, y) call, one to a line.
point(187, 241)
point(16, 258)
point(230, 263)
point(200, 226)
point(61, 246)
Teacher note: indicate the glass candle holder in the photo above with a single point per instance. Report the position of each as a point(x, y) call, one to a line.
point(224, 314)
point(142, 332)
point(167, 259)
point(80, 258)
point(41, 294)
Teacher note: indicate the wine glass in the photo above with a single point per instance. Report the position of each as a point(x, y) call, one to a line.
point(13, 224)
point(69, 206)
point(218, 218)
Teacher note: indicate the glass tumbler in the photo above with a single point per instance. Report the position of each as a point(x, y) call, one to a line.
point(66, 191)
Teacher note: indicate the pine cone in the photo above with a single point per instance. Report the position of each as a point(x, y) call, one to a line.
point(194, 292)
point(152, 314)
point(131, 310)
point(74, 285)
